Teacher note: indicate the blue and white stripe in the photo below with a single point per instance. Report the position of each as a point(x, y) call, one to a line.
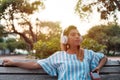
point(68, 67)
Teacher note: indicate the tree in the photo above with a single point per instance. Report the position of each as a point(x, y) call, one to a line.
point(3, 46)
point(12, 44)
point(97, 33)
point(52, 29)
point(93, 45)
point(105, 7)
point(108, 35)
point(48, 39)
point(17, 16)
point(2, 31)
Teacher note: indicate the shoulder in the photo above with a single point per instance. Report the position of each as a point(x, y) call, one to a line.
point(57, 53)
point(92, 53)
point(89, 51)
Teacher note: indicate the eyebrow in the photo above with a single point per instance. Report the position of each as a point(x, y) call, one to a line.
point(75, 33)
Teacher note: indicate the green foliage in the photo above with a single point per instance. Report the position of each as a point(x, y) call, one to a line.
point(21, 45)
point(12, 44)
point(3, 46)
point(10, 40)
point(20, 11)
point(48, 41)
point(108, 35)
point(92, 44)
point(2, 31)
point(97, 33)
point(20, 5)
point(1, 40)
point(52, 29)
point(105, 7)
point(45, 49)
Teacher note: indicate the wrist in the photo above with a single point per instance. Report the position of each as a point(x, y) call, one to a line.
point(13, 63)
point(98, 67)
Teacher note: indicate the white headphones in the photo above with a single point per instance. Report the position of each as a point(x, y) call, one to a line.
point(64, 39)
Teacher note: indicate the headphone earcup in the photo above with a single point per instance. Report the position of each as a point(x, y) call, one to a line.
point(64, 39)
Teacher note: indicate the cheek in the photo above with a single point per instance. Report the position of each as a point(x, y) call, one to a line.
point(73, 42)
point(70, 40)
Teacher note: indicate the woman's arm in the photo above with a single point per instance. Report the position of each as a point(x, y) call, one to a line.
point(26, 65)
point(101, 64)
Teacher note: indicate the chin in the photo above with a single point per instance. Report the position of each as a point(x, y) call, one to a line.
point(77, 44)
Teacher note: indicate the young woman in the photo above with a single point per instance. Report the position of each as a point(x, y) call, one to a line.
point(71, 63)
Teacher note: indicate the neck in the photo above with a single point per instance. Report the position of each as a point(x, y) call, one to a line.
point(72, 50)
point(78, 52)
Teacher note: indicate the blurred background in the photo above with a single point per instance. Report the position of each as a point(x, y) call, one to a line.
point(32, 27)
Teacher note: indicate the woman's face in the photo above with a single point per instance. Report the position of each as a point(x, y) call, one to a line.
point(74, 38)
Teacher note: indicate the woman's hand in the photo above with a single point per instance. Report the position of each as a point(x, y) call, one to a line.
point(7, 62)
point(97, 69)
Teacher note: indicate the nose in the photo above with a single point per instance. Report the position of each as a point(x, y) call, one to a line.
point(77, 36)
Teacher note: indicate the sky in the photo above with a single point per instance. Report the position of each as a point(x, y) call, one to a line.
point(63, 11)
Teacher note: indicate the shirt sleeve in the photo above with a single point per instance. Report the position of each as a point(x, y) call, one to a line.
point(95, 59)
point(49, 64)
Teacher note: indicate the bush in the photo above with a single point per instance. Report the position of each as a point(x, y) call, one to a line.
point(45, 49)
point(92, 44)
point(3, 46)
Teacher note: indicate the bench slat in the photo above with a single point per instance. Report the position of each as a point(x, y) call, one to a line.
point(27, 77)
point(10, 70)
point(110, 77)
point(112, 63)
point(112, 70)
point(17, 70)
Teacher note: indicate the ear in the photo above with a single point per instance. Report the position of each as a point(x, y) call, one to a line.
point(64, 39)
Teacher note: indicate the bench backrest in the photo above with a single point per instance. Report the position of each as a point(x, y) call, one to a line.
point(111, 71)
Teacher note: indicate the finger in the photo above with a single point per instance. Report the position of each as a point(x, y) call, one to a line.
point(4, 64)
point(94, 70)
point(5, 60)
point(98, 71)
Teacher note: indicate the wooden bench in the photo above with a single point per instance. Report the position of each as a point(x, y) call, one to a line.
point(111, 71)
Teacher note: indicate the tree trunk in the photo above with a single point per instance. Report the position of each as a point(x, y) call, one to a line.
point(114, 52)
point(108, 51)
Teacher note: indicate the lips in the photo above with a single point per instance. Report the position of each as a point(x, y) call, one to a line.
point(77, 40)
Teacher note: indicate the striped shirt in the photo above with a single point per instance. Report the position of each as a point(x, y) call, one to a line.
point(67, 67)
